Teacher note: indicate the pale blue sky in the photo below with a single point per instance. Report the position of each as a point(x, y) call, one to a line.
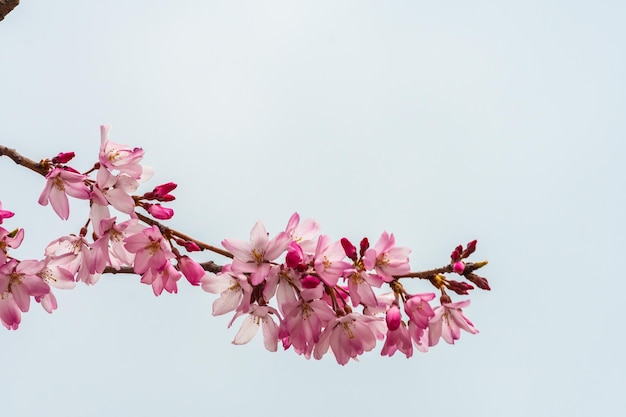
point(438, 121)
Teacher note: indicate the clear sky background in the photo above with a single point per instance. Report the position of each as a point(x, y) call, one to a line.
point(438, 121)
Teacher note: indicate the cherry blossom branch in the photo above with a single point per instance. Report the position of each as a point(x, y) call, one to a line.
point(208, 266)
point(43, 167)
point(313, 286)
point(40, 168)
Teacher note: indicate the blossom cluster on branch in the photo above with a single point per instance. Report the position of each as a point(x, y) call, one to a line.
point(303, 289)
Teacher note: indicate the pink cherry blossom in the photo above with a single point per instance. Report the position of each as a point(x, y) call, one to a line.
point(305, 233)
point(419, 336)
point(57, 276)
point(59, 184)
point(447, 322)
point(115, 156)
point(328, 261)
point(259, 316)
point(418, 309)
point(398, 339)
point(9, 240)
point(114, 234)
point(387, 259)
point(115, 190)
point(348, 337)
point(283, 283)
point(360, 286)
point(233, 288)
point(165, 278)
point(48, 302)
point(253, 257)
point(22, 281)
point(10, 314)
point(303, 324)
point(74, 253)
point(150, 249)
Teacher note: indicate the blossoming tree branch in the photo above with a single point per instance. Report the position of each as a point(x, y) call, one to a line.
point(303, 289)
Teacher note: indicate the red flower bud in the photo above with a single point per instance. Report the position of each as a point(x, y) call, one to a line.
point(309, 281)
point(480, 282)
point(349, 248)
point(365, 245)
point(455, 255)
point(63, 158)
point(458, 287)
point(471, 247)
point(295, 255)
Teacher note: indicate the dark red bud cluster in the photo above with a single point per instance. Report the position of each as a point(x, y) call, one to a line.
point(161, 192)
point(459, 253)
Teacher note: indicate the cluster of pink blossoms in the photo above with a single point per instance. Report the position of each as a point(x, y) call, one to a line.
point(113, 244)
point(302, 289)
point(317, 288)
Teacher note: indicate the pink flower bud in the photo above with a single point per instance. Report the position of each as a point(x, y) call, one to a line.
point(191, 269)
point(393, 317)
point(458, 267)
point(309, 281)
point(294, 256)
point(159, 212)
point(192, 246)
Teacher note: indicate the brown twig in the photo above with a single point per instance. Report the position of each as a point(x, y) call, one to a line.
point(6, 6)
point(39, 167)
point(208, 266)
point(43, 167)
